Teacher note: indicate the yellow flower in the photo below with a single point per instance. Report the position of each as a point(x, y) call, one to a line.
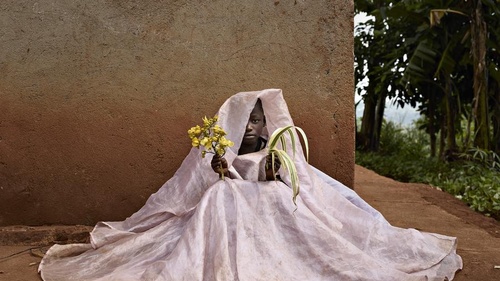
point(195, 142)
point(194, 132)
point(206, 143)
point(197, 130)
point(225, 142)
point(220, 150)
point(210, 136)
point(219, 131)
point(206, 122)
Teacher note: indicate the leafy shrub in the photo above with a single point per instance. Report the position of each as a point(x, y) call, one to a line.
point(404, 156)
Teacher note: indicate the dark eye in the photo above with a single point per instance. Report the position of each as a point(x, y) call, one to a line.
point(255, 121)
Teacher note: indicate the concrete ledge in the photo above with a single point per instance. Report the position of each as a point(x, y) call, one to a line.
point(19, 235)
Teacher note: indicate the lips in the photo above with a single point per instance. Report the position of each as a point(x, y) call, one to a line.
point(249, 136)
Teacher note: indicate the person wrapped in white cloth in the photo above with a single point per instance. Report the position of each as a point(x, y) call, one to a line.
point(246, 227)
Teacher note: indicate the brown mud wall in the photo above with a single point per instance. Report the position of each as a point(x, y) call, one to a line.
point(96, 96)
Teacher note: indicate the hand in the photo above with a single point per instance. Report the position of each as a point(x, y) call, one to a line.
point(219, 165)
point(270, 174)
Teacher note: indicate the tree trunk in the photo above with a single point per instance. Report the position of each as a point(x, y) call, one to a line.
point(496, 117)
point(478, 49)
point(442, 138)
point(379, 118)
point(451, 144)
point(431, 128)
point(368, 122)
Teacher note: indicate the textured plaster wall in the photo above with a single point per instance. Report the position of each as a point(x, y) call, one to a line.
point(96, 96)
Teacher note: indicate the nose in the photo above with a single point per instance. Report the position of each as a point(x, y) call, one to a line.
point(249, 127)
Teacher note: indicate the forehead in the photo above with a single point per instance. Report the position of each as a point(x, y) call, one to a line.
point(257, 109)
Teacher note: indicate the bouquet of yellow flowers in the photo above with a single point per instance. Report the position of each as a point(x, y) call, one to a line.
point(210, 137)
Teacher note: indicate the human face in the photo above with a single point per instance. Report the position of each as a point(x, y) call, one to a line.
point(254, 127)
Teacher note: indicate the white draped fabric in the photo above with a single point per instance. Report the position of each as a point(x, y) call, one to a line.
point(198, 227)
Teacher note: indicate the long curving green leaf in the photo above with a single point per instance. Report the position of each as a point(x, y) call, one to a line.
point(289, 165)
point(278, 137)
point(416, 69)
point(446, 63)
point(306, 143)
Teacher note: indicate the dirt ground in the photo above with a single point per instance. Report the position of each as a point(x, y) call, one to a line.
point(425, 208)
point(406, 205)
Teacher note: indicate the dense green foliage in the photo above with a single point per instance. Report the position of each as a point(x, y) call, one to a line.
point(404, 155)
point(440, 56)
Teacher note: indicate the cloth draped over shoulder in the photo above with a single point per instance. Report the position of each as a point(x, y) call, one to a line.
point(198, 227)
